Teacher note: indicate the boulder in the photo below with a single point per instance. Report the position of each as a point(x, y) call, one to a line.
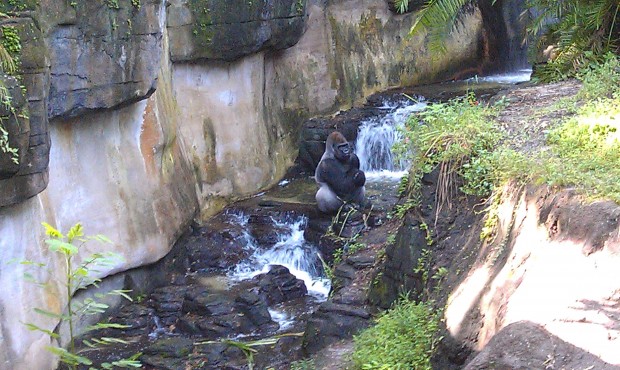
point(279, 285)
point(26, 121)
point(104, 54)
point(230, 29)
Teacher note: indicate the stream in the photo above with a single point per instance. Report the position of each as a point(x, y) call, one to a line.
point(255, 270)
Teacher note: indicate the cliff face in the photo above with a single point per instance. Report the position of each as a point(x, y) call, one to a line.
point(143, 114)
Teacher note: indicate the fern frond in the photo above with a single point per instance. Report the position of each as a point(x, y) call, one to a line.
point(438, 18)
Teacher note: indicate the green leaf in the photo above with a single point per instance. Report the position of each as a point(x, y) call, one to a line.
point(122, 293)
point(51, 231)
point(101, 325)
point(48, 313)
point(68, 357)
point(75, 232)
point(102, 238)
point(65, 248)
point(33, 327)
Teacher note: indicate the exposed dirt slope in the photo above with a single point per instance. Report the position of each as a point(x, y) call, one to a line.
point(544, 293)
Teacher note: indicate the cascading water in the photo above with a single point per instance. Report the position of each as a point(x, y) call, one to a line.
point(291, 251)
point(377, 135)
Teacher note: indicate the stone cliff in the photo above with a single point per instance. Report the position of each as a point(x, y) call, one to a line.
point(145, 114)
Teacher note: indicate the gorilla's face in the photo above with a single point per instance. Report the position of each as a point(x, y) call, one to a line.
point(342, 151)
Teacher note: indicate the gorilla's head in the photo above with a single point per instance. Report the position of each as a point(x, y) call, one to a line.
point(337, 145)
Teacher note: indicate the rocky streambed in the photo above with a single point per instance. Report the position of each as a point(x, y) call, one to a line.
point(249, 286)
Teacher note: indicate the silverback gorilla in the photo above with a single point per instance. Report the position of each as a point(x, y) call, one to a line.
point(339, 176)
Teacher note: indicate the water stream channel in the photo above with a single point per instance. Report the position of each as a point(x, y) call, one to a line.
point(254, 271)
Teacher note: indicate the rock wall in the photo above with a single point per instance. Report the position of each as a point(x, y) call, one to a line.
point(152, 124)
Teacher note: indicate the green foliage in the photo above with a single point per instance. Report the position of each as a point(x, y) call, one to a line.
point(249, 347)
point(600, 80)
point(10, 49)
point(305, 364)
point(403, 338)
point(402, 6)
point(438, 18)
point(74, 278)
point(457, 136)
point(585, 151)
point(581, 30)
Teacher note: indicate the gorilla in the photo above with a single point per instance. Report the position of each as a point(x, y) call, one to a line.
point(339, 176)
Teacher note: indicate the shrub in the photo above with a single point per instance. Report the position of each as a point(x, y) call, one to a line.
point(405, 337)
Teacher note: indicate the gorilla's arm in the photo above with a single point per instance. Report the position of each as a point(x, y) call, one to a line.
point(334, 174)
point(354, 162)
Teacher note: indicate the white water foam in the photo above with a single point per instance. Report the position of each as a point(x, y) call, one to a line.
point(293, 252)
point(376, 137)
point(521, 75)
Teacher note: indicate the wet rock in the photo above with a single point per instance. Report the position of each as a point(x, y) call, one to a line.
point(218, 356)
point(333, 322)
point(218, 245)
point(344, 273)
point(200, 301)
point(213, 327)
point(254, 308)
point(167, 302)
point(266, 230)
point(279, 285)
point(361, 261)
point(137, 317)
point(168, 353)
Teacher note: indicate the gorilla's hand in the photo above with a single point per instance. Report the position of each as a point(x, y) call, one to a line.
point(359, 179)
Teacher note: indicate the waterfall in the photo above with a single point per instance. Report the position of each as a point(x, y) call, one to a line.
point(291, 251)
point(377, 135)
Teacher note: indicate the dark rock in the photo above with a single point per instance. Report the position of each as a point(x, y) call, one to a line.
point(167, 302)
point(200, 301)
point(264, 230)
point(344, 273)
point(30, 136)
point(137, 317)
point(168, 353)
point(102, 56)
point(331, 323)
point(219, 356)
point(253, 307)
point(171, 347)
point(230, 29)
point(398, 273)
point(361, 261)
point(218, 245)
point(279, 285)
point(213, 327)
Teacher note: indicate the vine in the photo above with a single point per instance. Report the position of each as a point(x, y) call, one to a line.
point(10, 48)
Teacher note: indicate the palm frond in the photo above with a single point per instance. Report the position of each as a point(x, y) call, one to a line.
point(7, 64)
point(438, 18)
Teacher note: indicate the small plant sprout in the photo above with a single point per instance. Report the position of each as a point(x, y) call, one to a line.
point(76, 276)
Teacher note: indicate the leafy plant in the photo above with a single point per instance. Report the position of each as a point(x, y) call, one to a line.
point(581, 30)
point(249, 348)
point(305, 364)
point(456, 137)
point(75, 277)
point(404, 337)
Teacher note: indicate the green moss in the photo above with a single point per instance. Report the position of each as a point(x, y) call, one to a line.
point(10, 6)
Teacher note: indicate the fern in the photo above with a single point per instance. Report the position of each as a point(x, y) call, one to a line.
point(439, 18)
